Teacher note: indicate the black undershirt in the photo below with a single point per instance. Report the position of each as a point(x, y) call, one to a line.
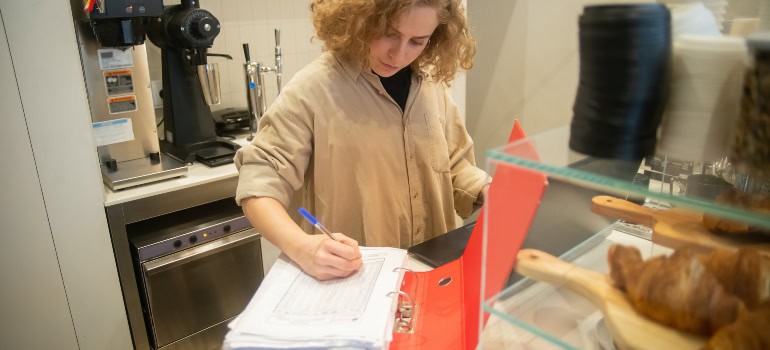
point(398, 85)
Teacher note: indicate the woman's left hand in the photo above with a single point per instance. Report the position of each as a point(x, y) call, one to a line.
point(485, 192)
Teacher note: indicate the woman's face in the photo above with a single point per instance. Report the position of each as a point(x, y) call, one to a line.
point(403, 42)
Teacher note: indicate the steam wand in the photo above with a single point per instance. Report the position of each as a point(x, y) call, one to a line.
point(255, 83)
point(253, 91)
point(278, 69)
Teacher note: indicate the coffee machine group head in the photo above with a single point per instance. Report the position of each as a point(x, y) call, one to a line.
point(184, 33)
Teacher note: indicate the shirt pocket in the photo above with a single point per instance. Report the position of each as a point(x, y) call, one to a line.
point(439, 151)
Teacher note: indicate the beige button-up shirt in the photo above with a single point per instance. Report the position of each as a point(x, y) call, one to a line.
point(361, 165)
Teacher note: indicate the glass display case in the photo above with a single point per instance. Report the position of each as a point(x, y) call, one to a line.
point(526, 313)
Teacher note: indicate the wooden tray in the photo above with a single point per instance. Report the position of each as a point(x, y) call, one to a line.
point(676, 227)
point(629, 329)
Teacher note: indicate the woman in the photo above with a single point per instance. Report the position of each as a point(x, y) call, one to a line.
point(366, 135)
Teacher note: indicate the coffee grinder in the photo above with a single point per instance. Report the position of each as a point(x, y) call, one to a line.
point(111, 36)
point(184, 33)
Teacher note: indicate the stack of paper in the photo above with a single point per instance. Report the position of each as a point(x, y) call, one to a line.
point(293, 310)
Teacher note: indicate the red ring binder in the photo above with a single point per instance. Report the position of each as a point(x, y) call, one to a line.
point(449, 315)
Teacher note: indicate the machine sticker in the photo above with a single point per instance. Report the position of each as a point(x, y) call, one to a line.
point(122, 104)
point(113, 131)
point(119, 82)
point(116, 58)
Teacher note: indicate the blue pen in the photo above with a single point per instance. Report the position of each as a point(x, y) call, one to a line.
point(315, 223)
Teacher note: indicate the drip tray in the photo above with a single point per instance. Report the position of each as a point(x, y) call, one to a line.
point(215, 155)
point(142, 171)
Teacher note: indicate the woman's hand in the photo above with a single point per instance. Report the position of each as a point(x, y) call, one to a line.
point(324, 258)
point(485, 192)
point(318, 255)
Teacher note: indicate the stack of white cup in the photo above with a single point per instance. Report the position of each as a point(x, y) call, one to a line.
point(718, 8)
point(693, 19)
point(704, 99)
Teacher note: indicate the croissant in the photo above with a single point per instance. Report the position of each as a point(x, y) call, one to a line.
point(744, 273)
point(675, 290)
point(749, 332)
point(733, 197)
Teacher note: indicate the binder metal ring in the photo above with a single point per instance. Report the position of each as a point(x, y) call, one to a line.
point(415, 274)
point(404, 313)
point(406, 269)
point(405, 295)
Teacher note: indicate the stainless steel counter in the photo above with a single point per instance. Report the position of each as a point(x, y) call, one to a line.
point(197, 175)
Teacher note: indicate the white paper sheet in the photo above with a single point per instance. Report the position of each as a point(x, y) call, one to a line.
point(294, 310)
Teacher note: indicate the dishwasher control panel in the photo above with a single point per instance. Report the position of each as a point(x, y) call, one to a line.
point(187, 228)
point(192, 238)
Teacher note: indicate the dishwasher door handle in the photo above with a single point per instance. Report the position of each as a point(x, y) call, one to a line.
point(188, 255)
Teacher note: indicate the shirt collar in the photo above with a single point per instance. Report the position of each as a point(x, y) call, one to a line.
point(355, 68)
point(351, 67)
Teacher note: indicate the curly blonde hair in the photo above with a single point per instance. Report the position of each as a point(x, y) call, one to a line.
point(348, 26)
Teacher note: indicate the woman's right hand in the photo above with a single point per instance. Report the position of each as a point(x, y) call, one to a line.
point(325, 258)
point(318, 255)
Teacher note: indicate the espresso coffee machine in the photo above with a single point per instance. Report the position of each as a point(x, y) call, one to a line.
point(111, 38)
point(184, 33)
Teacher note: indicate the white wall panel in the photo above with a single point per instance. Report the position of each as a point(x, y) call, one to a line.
point(41, 37)
point(33, 305)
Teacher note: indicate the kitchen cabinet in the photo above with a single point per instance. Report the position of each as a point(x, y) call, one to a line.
point(134, 206)
point(198, 208)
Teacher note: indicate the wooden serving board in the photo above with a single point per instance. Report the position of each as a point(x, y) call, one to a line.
point(675, 227)
point(629, 329)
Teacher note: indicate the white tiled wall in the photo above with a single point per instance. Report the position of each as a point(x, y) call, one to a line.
point(253, 22)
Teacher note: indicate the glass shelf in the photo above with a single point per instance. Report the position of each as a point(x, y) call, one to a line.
point(548, 153)
point(532, 314)
point(537, 315)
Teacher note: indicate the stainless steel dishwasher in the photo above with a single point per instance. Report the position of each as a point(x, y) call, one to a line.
point(197, 269)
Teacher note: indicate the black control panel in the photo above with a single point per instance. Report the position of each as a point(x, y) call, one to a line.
point(191, 227)
point(128, 9)
point(152, 250)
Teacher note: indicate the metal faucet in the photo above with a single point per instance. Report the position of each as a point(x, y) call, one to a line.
point(255, 83)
